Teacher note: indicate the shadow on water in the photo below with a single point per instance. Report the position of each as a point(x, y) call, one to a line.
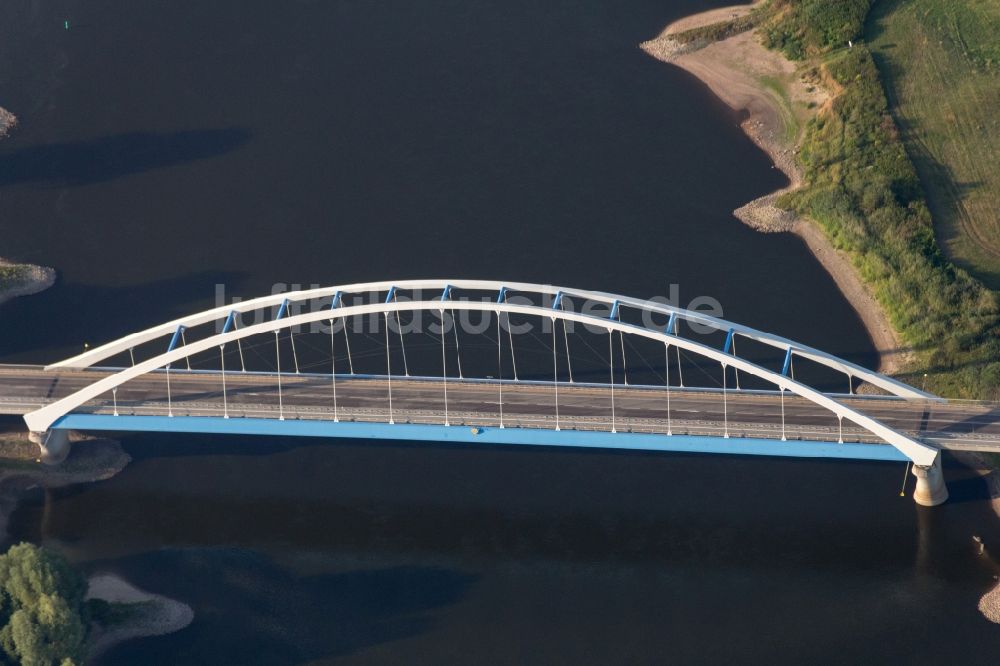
point(293, 619)
point(136, 307)
point(77, 163)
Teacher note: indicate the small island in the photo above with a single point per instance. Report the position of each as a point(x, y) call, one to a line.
point(109, 610)
point(20, 279)
point(23, 279)
point(53, 615)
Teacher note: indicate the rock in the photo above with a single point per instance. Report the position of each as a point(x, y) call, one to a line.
point(8, 121)
point(666, 48)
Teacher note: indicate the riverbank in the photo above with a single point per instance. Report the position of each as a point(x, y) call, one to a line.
point(145, 614)
point(778, 100)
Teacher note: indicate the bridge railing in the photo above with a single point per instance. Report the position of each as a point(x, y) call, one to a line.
point(736, 429)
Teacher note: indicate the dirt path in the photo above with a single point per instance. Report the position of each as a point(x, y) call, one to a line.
point(749, 77)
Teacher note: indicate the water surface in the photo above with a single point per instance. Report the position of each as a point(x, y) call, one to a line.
point(167, 147)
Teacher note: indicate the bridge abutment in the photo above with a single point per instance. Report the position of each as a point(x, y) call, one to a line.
point(931, 489)
point(53, 445)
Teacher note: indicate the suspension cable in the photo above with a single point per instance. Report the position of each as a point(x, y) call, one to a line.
point(225, 400)
point(666, 354)
point(555, 370)
point(621, 339)
point(239, 345)
point(277, 356)
point(510, 334)
point(725, 405)
point(170, 402)
point(781, 390)
point(333, 372)
point(131, 354)
point(114, 397)
point(680, 368)
point(458, 351)
point(611, 358)
point(735, 369)
point(295, 355)
point(569, 362)
point(347, 340)
point(187, 359)
point(444, 368)
point(840, 424)
point(500, 368)
point(402, 345)
point(388, 365)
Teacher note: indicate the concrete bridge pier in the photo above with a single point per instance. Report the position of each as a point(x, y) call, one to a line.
point(930, 490)
point(52, 444)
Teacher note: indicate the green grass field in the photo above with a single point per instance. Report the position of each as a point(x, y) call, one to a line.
point(940, 60)
point(940, 63)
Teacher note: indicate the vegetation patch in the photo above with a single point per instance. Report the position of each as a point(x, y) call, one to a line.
point(43, 614)
point(108, 614)
point(861, 186)
point(13, 275)
point(801, 28)
point(724, 29)
point(940, 62)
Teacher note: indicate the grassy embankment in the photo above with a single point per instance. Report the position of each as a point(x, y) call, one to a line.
point(861, 187)
point(940, 62)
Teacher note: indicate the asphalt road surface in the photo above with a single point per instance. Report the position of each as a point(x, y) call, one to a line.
point(960, 425)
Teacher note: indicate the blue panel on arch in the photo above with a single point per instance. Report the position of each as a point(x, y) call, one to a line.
point(482, 435)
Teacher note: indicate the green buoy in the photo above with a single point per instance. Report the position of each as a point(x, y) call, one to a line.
point(66, 24)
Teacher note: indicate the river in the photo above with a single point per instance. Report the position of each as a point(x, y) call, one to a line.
point(166, 148)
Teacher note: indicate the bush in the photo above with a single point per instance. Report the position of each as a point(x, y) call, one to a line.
point(41, 607)
point(862, 188)
point(806, 27)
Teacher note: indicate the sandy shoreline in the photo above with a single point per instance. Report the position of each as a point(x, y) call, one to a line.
point(737, 70)
point(156, 616)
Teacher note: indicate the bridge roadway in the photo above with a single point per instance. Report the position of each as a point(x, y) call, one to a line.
point(960, 425)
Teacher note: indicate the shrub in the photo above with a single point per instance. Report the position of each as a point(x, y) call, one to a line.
point(862, 188)
point(41, 607)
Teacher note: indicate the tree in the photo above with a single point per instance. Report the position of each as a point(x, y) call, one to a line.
point(41, 607)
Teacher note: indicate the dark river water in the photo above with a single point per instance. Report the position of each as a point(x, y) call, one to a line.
point(170, 146)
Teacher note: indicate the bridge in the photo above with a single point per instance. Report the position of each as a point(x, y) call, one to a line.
point(485, 362)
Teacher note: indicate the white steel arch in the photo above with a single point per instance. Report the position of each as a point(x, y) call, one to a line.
point(888, 384)
point(41, 419)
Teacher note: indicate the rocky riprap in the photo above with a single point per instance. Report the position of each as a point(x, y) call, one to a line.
point(8, 121)
point(666, 48)
point(763, 215)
